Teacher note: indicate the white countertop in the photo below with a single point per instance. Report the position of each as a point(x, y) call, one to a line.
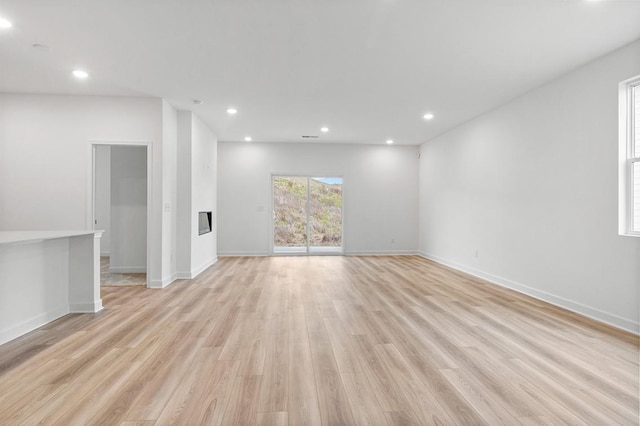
point(14, 237)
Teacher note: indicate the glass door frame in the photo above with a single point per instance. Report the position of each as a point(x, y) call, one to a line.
point(307, 251)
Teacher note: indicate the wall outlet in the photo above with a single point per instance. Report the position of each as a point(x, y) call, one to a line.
point(476, 254)
point(393, 240)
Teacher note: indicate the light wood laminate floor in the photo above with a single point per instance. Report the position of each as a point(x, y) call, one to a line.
point(321, 340)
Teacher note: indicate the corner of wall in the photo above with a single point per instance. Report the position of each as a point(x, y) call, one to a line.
point(507, 185)
point(169, 188)
point(165, 282)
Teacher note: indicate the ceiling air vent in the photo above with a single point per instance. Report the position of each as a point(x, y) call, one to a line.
point(309, 137)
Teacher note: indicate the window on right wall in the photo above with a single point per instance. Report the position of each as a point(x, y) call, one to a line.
point(629, 213)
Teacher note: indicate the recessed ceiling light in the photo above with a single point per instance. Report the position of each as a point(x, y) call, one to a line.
point(197, 102)
point(248, 139)
point(232, 111)
point(324, 129)
point(428, 116)
point(5, 24)
point(389, 141)
point(80, 74)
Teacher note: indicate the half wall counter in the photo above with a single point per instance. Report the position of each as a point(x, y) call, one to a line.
point(45, 275)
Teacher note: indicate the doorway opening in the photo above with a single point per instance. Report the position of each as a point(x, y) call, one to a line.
point(121, 210)
point(307, 215)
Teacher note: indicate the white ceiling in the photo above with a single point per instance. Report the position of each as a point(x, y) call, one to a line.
point(368, 69)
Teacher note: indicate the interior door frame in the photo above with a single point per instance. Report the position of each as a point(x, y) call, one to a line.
point(272, 216)
point(91, 184)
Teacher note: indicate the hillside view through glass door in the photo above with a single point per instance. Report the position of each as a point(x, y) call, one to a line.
point(307, 214)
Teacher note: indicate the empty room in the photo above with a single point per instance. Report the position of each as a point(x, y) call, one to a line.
point(322, 212)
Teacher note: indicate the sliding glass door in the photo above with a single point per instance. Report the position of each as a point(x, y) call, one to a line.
point(307, 215)
point(290, 199)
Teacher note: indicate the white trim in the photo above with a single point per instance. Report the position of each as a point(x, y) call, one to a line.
point(31, 324)
point(155, 284)
point(200, 269)
point(630, 231)
point(243, 254)
point(271, 220)
point(346, 253)
point(307, 207)
point(90, 210)
point(189, 275)
point(294, 254)
point(381, 253)
point(570, 305)
point(307, 251)
point(290, 250)
point(128, 269)
point(165, 282)
point(625, 156)
point(86, 308)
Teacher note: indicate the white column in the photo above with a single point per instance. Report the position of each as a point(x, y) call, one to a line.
point(84, 273)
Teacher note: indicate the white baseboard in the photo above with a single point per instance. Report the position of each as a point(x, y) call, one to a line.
point(31, 324)
point(128, 269)
point(86, 308)
point(346, 253)
point(184, 275)
point(570, 305)
point(381, 253)
point(163, 282)
point(200, 269)
point(243, 254)
point(189, 275)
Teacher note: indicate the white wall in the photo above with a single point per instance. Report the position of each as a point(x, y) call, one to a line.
point(532, 188)
point(169, 194)
point(203, 188)
point(45, 159)
point(380, 193)
point(28, 299)
point(128, 209)
point(103, 196)
point(197, 151)
point(45, 275)
point(183, 209)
